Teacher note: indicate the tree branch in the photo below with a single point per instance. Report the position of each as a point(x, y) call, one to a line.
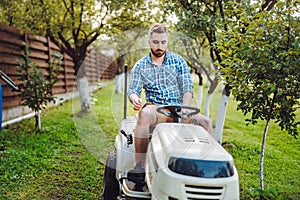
point(268, 5)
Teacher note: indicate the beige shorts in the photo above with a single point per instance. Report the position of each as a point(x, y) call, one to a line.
point(197, 119)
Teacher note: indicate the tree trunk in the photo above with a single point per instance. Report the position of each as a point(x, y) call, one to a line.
point(200, 96)
point(84, 94)
point(83, 86)
point(212, 88)
point(200, 91)
point(263, 145)
point(119, 83)
point(262, 156)
point(119, 80)
point(222, 114)
point(38, 123)
point(206, 110)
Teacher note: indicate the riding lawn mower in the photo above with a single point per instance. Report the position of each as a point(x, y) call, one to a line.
point(183, 162)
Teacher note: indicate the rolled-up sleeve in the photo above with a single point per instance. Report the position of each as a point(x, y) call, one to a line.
point(185, 78)
point(135, 86)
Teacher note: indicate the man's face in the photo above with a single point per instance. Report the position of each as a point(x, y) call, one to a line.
point(158, 43)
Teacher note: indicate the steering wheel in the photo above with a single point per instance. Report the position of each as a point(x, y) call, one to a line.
point(175, 111)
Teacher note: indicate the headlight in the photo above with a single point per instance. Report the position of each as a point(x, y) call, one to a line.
point(201, 168)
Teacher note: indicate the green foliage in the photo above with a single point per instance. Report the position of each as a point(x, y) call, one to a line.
point(36, 86)
point(261, 57)
point(130, 15)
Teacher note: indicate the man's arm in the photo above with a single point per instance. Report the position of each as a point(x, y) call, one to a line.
point(186, 83)
point(134, 90)
point(187, 99)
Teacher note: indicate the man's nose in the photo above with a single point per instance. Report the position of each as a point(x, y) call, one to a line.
point(160, 45)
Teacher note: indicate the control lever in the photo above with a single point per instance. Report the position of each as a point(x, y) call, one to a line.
point(128, 137)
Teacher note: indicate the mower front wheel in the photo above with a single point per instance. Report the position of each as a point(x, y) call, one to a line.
point(111, 184)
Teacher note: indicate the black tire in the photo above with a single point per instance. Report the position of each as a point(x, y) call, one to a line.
point(111, 185)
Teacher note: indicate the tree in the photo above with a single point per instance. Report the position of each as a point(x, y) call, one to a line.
point(36, 85)
point(71, 24)
point(262, 55)
point(196, 55)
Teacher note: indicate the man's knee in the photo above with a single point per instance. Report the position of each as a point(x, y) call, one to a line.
point(146, 116)
point(206, 122)
point(203, 121)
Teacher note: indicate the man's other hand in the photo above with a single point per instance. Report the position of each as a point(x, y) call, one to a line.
point(136, 101)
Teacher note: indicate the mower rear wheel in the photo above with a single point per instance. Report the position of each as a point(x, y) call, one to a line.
point(111, 184)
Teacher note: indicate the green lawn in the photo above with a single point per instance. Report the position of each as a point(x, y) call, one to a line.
point(65, 160)
point(52, 164)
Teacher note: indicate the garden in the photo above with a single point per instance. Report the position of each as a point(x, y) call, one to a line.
point(245, 57)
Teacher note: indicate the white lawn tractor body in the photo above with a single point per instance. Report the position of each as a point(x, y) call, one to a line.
point(183, 162)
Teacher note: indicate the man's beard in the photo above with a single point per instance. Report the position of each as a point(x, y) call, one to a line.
point(158, 53)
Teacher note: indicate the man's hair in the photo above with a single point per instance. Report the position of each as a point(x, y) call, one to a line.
point(157, 28)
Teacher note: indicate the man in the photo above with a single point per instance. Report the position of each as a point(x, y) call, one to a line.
point(166, 80)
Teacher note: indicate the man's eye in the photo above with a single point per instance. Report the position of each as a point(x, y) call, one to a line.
point(155, 42)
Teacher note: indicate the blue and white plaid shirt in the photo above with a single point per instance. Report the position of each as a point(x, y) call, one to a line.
point(163, 85)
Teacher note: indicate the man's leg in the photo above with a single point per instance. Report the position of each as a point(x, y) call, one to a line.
point(203, 121)
point(146, 117)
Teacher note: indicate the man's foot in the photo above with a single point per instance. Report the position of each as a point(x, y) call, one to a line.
point(137, 175)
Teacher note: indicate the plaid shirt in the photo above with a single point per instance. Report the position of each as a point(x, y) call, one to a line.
point(163, 85)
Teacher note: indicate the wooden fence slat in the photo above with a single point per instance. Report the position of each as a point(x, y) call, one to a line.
point(8, 59)
point(11, 39)
point(11, 29)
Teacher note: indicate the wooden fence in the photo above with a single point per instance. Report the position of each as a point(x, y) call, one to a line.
point(12, 41)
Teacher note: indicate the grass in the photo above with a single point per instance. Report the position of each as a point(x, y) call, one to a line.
point(65, 160)
point(51, 164)
point(281, 158)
